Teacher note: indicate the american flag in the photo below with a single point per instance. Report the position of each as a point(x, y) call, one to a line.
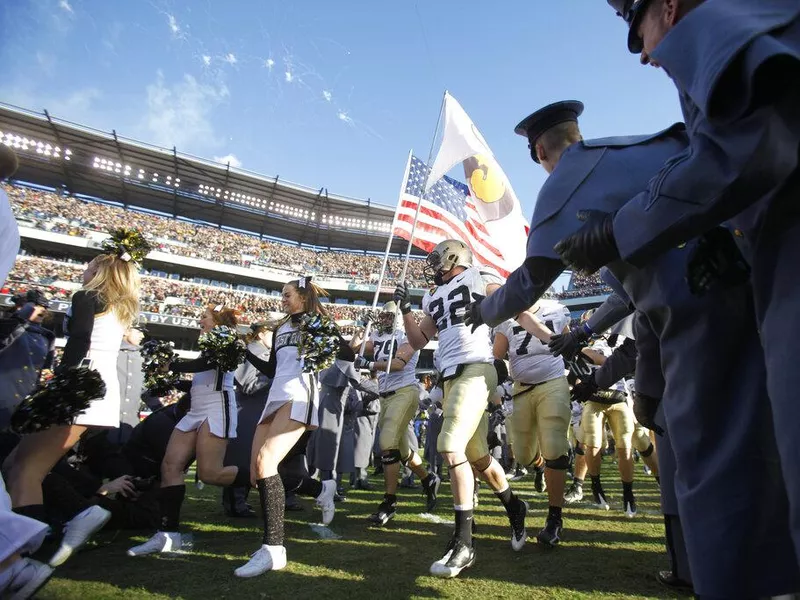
point(448, 212)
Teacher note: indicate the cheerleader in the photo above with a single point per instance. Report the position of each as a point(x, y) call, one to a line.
point(291, 409)
point(100, 313)
point(203, 433)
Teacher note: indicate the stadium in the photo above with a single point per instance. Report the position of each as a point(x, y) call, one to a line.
point(223, 235)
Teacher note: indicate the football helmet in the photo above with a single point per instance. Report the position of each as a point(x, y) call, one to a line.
point(386, 318)
point(445, 256)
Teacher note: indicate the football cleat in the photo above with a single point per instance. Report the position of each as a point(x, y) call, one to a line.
point(518, 532)
point(77, 532)
point(630, 506)
point(162, 541)
point(325, 501)
point(266, 558)
point(519, 473)
point(599, 496)
point(459, 556)
point(550, 536)
point(431, 489)
point(574, 494)
point(386, 512)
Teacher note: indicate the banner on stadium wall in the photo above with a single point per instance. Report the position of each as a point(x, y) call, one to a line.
point(61, 306)
point(369, 287)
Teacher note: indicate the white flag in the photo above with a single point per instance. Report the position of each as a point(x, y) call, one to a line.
point(495, 200)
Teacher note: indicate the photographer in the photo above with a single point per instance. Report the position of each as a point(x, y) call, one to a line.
point(26, 348)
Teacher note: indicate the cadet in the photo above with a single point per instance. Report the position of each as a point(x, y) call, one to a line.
point(740, 94)
point(709, 396)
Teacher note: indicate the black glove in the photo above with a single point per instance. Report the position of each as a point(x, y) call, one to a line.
point(716, 263)
point(570, 343)
point(644, 409)
point(583, 391)
point(593, 245)
point(403, 297)
point(472, 315)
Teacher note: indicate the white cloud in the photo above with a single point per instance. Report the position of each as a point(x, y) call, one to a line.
point(173, 25)
point(288, 76)
point(65, 5)
point(327, 95)
point(343, 116)
point(179, 114)
point(230, 58)
point(206, 60)
point(229, 158)
point(269, 63)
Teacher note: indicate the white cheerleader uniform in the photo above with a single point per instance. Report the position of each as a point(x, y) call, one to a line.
point(290, 384)
point(213, 401)
point(104, 342)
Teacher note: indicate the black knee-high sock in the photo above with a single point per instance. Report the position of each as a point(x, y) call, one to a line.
point(273, 503)
point(309, 487)
point(463, 530)
point(508, 499)
point(170, 501)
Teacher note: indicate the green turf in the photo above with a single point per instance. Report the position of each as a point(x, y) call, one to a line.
point(604, 554)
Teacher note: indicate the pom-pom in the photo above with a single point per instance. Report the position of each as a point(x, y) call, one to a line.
point(58, 401)
point(156, 357)
point(222, 348)
point(127, 244)
point(319, 342)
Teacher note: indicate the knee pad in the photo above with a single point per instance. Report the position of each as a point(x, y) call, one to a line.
point(560, 464)
point(482, 463)
point(391, 457)
point(648, 452)
point(579, 449)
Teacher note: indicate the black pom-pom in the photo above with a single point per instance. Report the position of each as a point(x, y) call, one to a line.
point(128, 244)
point(58, 401)
point(155, 356)
point(222, 348)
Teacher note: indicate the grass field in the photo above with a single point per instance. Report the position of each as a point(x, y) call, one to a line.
point(604, 554)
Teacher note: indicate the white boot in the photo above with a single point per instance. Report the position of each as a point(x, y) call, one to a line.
point(78, 531)
point(266, 558)
point(162, 541)
point(325, 501)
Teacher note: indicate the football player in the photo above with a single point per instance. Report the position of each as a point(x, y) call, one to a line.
point(611, 405)
point(541, 400)
point(470, 381)
point(399, 403)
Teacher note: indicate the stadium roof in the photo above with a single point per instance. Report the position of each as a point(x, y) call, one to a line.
point(88, 162)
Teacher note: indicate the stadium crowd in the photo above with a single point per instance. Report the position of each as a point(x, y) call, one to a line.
point(70, 216)
point(159, 295)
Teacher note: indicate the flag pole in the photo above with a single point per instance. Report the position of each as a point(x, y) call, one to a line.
point(368, 326)
point(414, 225)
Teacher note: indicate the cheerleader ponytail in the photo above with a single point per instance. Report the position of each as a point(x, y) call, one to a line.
point(310, 292)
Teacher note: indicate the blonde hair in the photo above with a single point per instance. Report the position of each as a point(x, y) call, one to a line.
point(117, 284)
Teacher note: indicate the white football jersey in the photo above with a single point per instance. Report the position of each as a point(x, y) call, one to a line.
point(383, 344)
point(530, 360)
point(445, 305)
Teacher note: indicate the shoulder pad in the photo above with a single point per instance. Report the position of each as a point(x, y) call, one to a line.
point(633, 140)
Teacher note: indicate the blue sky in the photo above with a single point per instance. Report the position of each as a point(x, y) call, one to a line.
point(327, 94)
